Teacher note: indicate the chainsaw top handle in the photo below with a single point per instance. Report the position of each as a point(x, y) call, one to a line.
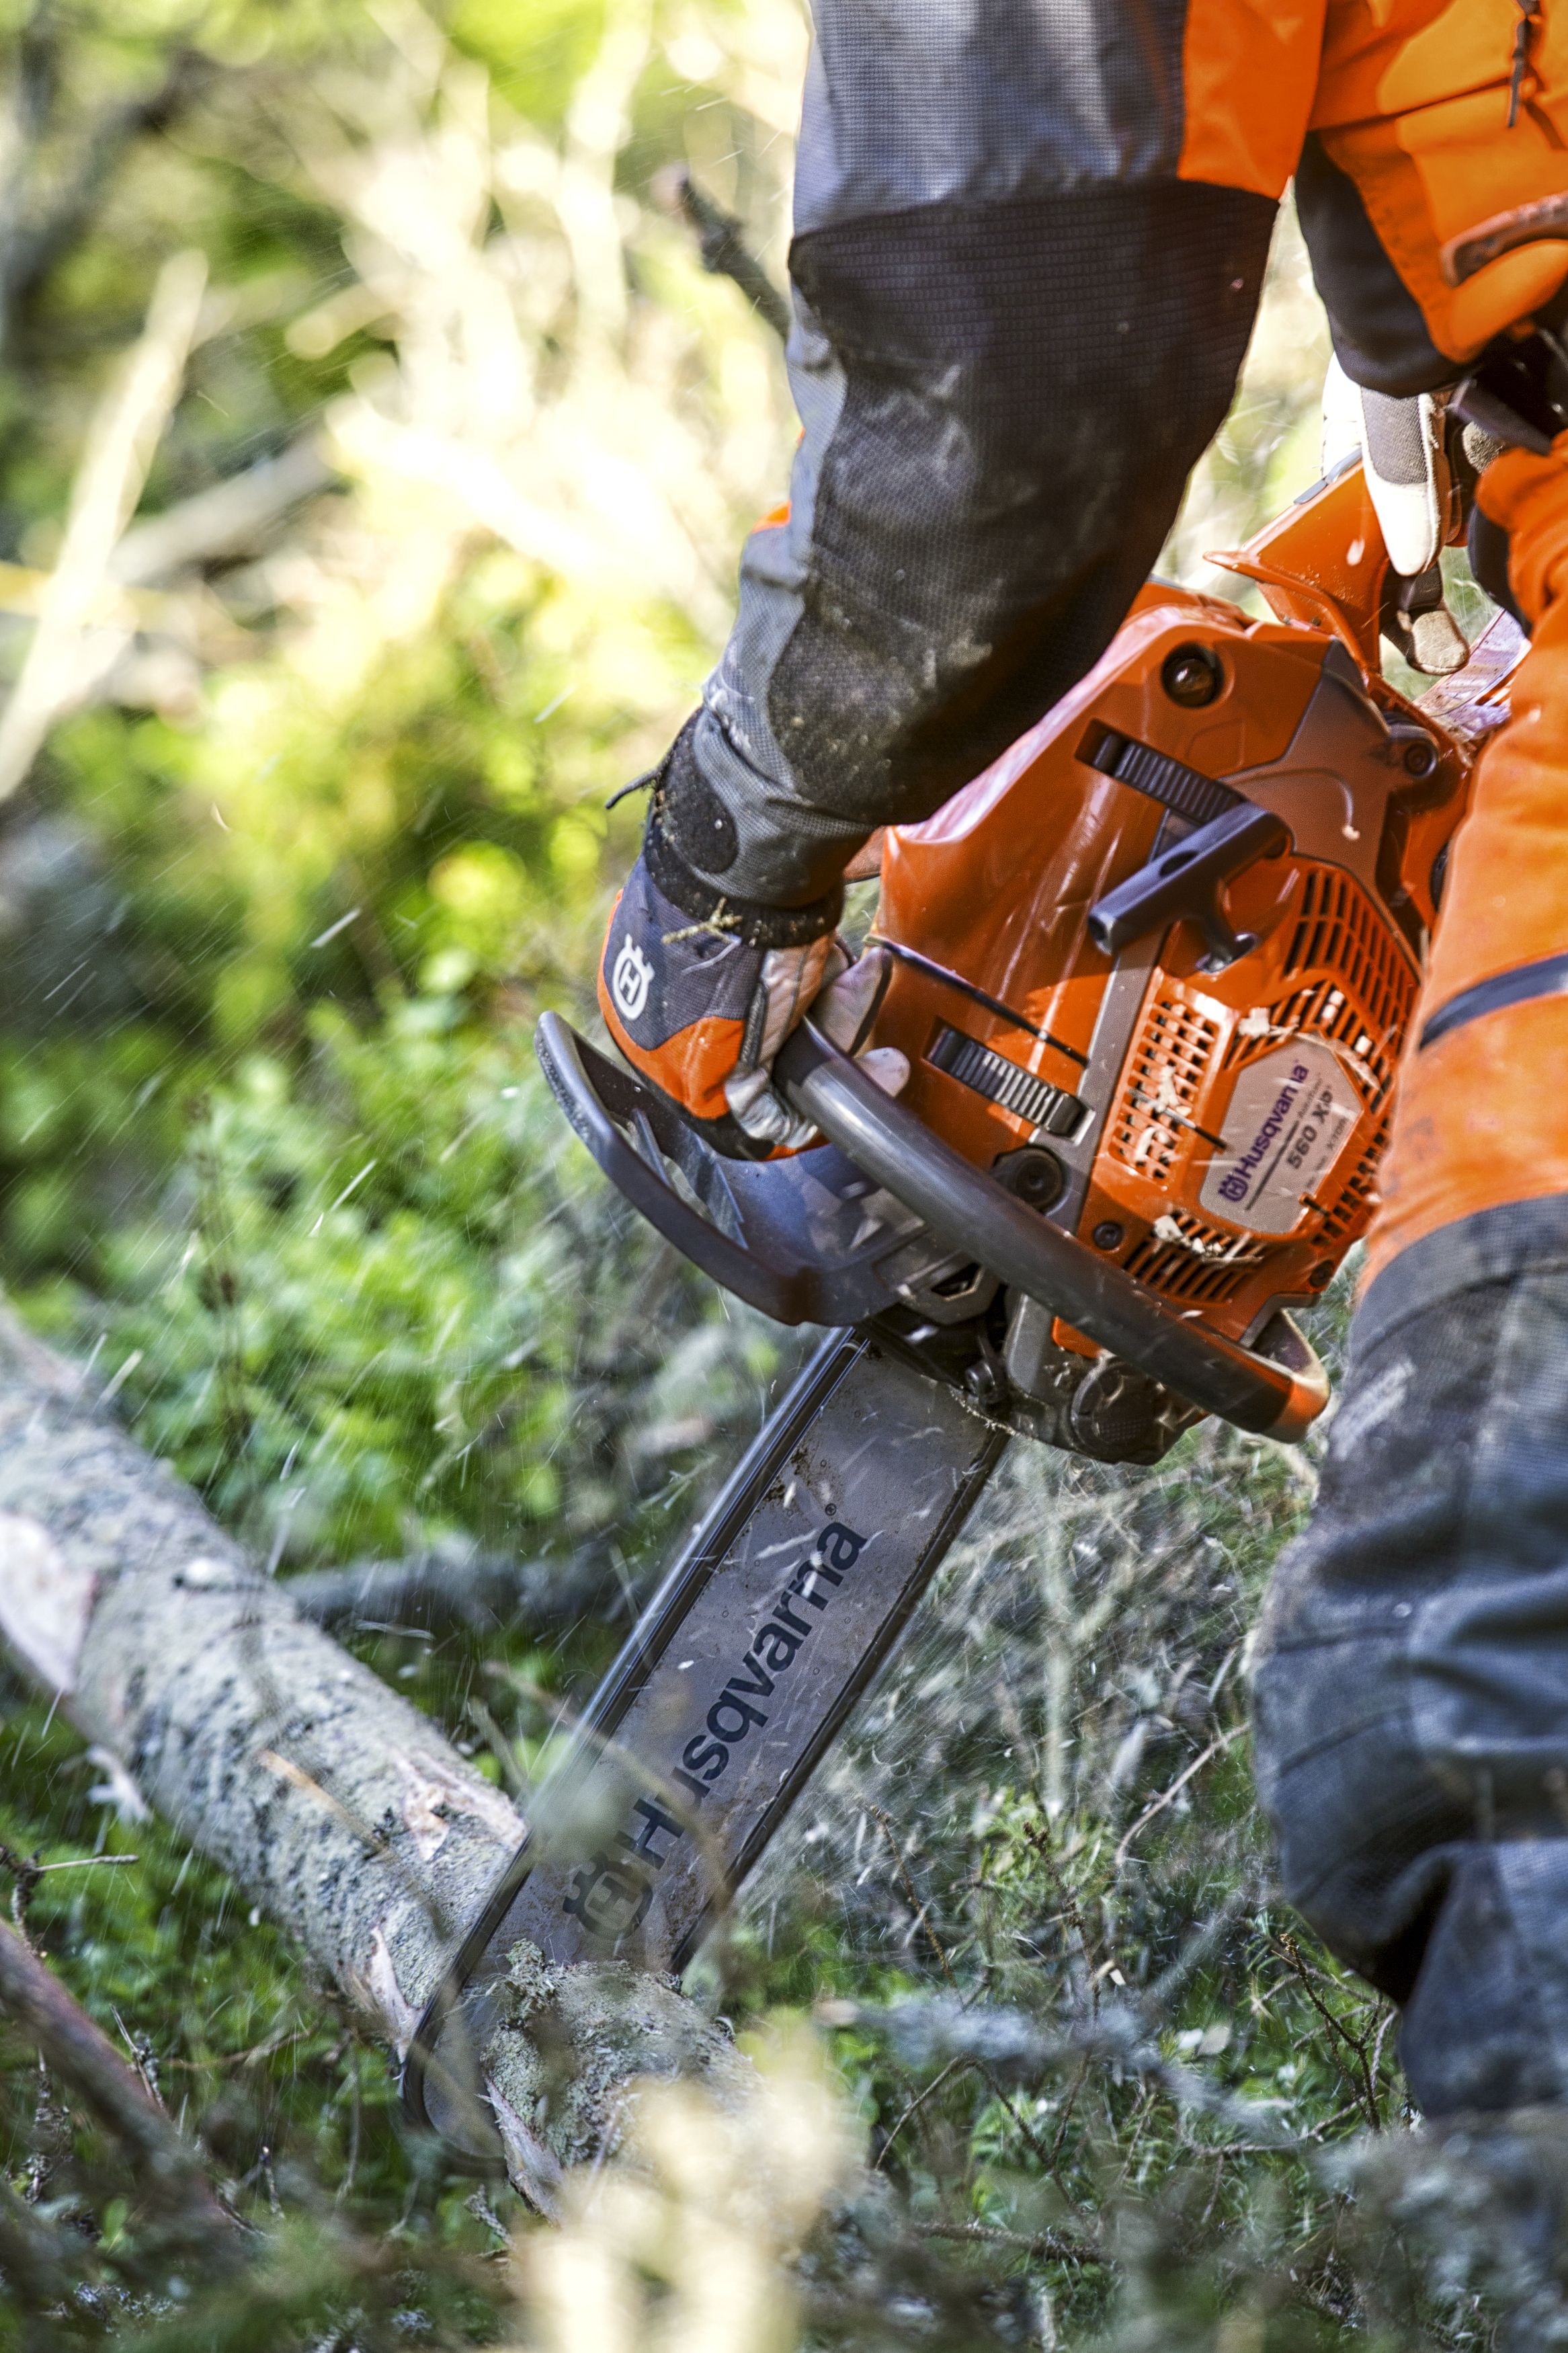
point(627, 1128)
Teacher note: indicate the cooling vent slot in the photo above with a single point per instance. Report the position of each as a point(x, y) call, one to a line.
point(1050, 1111)
point(1166, 1072)
point(1338, 931)
point(1205, 1266)
point(1355, 1202)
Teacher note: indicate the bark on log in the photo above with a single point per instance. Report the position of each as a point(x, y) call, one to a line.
point(338, 1807)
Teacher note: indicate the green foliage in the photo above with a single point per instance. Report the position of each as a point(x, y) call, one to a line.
point(437, 828)
point(379, 1303)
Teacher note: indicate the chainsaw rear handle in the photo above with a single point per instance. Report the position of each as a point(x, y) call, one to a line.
point(968, 1208)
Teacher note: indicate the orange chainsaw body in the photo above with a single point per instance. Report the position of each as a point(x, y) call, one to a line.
point(1213, 1126)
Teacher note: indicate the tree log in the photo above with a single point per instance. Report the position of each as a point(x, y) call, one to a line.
point(338, 1807)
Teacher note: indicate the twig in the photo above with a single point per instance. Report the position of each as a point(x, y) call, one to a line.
point(82, 1863)
point(28, 1873)
point(1052, 2244)
point(1069, 2105)
point(251, 2058)
point(1037, 1837)
point(429, 1592)
point(125, 432)
point(24, 1878)
point(1045, 2155)
point(226, 520)
point(1289, 1954)
point(346, 2185)
point(724, 250)
point(1141, 2116)
point(144, 2059)
point(1389, 2015)
point(916, 1906)
point(1158, 1805)
point(953, 2067)
point(501, 1748)
point(83, 2056)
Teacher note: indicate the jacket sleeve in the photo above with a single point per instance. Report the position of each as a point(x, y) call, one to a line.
point(1016, 325)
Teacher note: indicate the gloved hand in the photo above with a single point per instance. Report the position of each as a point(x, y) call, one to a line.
point(1404, 458)
point(700, 1005)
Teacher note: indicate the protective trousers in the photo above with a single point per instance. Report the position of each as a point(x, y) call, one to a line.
point(1030, 236)
point(1411, 1696)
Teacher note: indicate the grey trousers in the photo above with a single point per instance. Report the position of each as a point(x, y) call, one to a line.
point(1411, 1687)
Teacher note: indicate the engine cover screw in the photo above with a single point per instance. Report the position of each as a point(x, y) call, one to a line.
point(1192, 676)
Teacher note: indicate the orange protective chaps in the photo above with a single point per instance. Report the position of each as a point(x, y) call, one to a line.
point(1410, 1683)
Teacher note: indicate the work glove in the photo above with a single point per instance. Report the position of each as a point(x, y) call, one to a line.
point(699, 1003)
point(1404, 458)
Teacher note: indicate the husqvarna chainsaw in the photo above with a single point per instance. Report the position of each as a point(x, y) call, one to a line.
point(1152, 973)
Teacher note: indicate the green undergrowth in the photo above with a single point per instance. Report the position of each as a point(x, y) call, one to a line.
point(380, 1297)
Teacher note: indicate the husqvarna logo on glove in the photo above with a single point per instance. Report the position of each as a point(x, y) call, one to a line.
point(630, 979)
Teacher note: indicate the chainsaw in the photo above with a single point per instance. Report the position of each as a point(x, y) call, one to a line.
point(1152, 973)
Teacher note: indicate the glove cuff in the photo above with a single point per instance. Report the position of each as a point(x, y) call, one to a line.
point(679, 804)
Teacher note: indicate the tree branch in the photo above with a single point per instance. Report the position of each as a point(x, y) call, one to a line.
point(725, 253)
point(81, 2055)
point(430, 1592)
point(126, 428)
